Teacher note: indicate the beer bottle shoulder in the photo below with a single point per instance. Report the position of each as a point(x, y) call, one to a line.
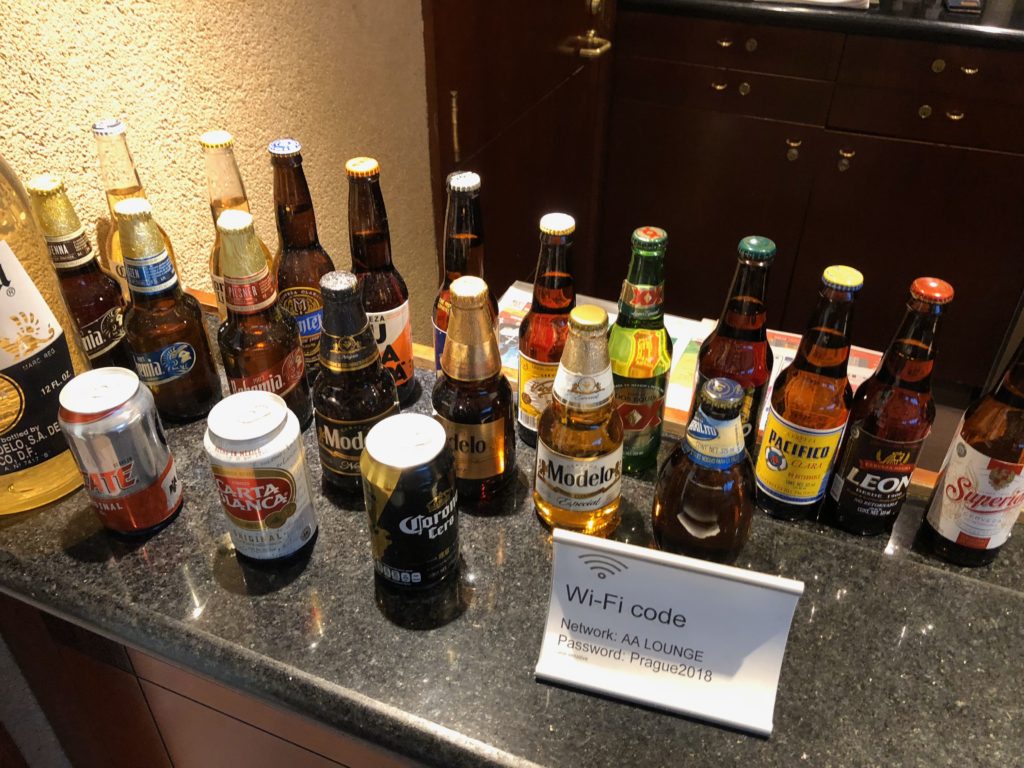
point(355, 395)
point(383, 289)
point(302, 267)
point(542, 336)
point(258, 330)
point(473, 402)
point(810, 399)
point(580, 434)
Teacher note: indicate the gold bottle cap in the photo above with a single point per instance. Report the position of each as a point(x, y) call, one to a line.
point(242, 256)
point(45, 184)
point(232, 221)
point(110, 126)
point(471, 349)
point(588, 318)
point(216, 140)
point(468, 292)
point(557, 224)
point(133, 208)
point(53, 209)
point(362, 167)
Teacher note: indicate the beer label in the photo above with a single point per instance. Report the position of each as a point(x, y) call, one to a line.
point(347, 353)
point(535, 382)
point(104, 333)
point(167, 364)
point(393, 333)
point(250, 294)
point(750, 411)
point(644, 302)
point(714, 443)
point(873, 474)
point(151, 274)
point(122, 504)
point(306, 305)
point(583, 390)
point(218, 292)
point(977, 499)
point(793, 462)
point(578, 485)
point(35, 363)
point(641, 406)
point(479, 449)
point(70, 251)
point(440, 337)
point(341, 442)
point(639, 353)
point(280, 378)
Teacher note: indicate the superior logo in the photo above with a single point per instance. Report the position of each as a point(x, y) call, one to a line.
point(963, 491)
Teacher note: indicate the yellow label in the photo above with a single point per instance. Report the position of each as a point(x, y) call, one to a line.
point(536, 380)
point(478, 449)
point(793, 462)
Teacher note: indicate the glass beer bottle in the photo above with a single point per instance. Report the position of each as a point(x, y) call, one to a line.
point(473, 400)
point(164, 325)
point(385, 296)
point(641, 351)
point(544, 330)
point(809, 405)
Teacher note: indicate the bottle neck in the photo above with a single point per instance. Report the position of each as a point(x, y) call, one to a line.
point(553, 288)
point(293, 206)
point(825, 346)
point(224, 182)
point(641, 302)
point(249, 288)
point(148, 266)
point(346, 344)
point(745, 312)
point(1010, 389)
point(910, 357)
point(120, 179)
point(471, 349)
point(464, 237)
point(369, 236)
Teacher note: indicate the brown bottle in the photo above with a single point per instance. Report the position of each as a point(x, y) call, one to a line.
point(93, 297)
point(385, 296)
point(163, 325)
point(259, 343)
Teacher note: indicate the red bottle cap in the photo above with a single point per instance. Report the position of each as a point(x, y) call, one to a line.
point(931, 290)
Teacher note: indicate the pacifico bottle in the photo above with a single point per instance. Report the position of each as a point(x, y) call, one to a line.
point(641, 351)
point(890, 419)
point(809, 405)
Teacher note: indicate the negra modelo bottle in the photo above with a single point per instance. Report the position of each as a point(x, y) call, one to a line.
point(353, 391)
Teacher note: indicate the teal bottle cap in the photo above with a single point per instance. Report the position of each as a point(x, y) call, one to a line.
point(650, 238)
point(757, 248)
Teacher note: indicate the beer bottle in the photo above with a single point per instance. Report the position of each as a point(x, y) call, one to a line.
point(738, 347)
point(473, 400)
point(809, 405)
point(544, 330)
point(463, 250)
point(93, 297)
point(258, 342)
point(164, 325)
point(121, 182)
point(579, 436)
point(227, 193)
point(890, 419)
point(385, 296)
point(37, 358)
point(641, 351)
point(704, 499)
point(353, 391)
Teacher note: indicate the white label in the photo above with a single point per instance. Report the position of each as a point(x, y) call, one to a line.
point(392, 332)
point(581, 390)
point(578, 485)
point(667, 631)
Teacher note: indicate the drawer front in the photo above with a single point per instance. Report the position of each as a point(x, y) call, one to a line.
point(720, 43)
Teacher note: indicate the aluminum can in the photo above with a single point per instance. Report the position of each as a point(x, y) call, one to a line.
point(255, 449)
point(115, 435)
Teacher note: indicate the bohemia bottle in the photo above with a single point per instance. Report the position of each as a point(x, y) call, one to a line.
point(164, 325)
point(891, 416)
point(543, 332)
point(738, 347)
point(301, 260)
point(37, 358)
point(463, 250)
point(259, 343)
point(473, 400)
point(353, 391)
point(385, 297)
point(579, 438)
point(641, 351)
point(809, 405)
point(704, 499)
point(93, 297)
point(980, 492)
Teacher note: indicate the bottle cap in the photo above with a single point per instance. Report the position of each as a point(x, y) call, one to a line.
point(468, 291)
point(842, 278)
point(362, 167)
point(245, 418)
point(110, 126)
point(405, 440)
point(133, 208)
point(588, 317)
point(464, 181)
point(757, 248)
point(557, 224)
point(722, 393)
point(284, 147)
point(650, 238)
point(232, 221)
point(216, 140)
point(931, 290)
point(45, 184)
point(340, 284)
point(93, 394)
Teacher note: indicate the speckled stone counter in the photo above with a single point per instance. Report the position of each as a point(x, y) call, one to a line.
point(894, 659)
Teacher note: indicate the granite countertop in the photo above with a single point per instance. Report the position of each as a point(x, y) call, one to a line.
point(893, 659)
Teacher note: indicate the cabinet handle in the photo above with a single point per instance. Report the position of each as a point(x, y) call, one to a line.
point(724, 42)
point(969, 71)
point(793, 149)
point(592, 46)
point(955, 115)
point(938, 65)
point(751, 45)
point(719, 86)
point(924, 111)
point(455, 125)
point(744, 89)
point(845, 155)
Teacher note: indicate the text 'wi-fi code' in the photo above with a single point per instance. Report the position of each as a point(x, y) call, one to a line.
point(603, 565)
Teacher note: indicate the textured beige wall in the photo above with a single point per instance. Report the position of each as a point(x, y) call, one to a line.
point(345, 77)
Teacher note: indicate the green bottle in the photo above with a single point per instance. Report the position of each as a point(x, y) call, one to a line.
point(641, 351)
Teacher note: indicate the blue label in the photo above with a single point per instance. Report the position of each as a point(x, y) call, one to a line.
point(439, 339)
point(150, 275)
point(712, 443)
point(310, 324)
point(163, 365)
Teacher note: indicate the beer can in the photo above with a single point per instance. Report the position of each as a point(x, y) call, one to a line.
point(255, 449)
point(115, 435)
point(409, 488)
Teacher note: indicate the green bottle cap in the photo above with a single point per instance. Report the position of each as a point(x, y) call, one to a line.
point(650, 238)
point(757, 248)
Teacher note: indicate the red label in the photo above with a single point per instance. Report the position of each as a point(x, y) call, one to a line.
point(250, 294)
point(639, 416)
point(279, 379)
point(256, 498)
point(135, 511)
point(643, 297)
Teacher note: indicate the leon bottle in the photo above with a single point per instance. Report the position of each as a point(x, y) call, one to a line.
point(301, 260)
point(164, 325)
point(385, 296)
point(577, 484)
point(890, 419)
point(544, 330)
point(809, 405)
point(37, 358)
point(93, 297)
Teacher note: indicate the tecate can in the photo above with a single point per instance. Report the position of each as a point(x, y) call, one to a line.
point(255, 448)
point(409, 488)
point(115, 435)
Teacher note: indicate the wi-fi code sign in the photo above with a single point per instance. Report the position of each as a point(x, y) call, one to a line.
point(603, 565)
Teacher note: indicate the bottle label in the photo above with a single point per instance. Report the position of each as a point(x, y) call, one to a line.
point(341, 354)
point(977, 499)
point(643, 302)
point(104, 333)
point(583, 390)
point(873, 474)
point(279, 379)
point(793, 462)
point(35, 363)
point(479, 449)
point(218, 292)
point(535, 382)
point(641, 406)
point(250, 294)
point(578, 485)
point(70, 251)
point(750, 411)
point(167, 364)
point(714, 443)
point(307, 307)
point(341, 442)
point(439, 339)
point(151, 274)
point(392, 331)
point(639, 353)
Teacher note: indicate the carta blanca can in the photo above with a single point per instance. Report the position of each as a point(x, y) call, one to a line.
point(113, 430)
